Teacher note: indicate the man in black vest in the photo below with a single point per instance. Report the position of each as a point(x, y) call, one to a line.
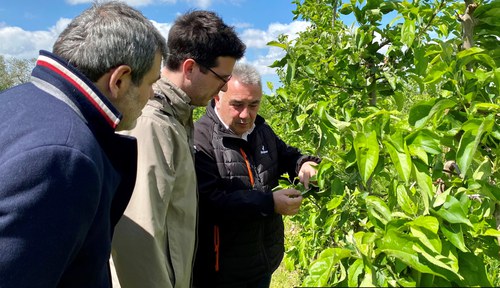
point(239, 160)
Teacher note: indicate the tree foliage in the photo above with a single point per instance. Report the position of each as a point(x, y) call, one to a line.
point(407, 122)
point(14, 71)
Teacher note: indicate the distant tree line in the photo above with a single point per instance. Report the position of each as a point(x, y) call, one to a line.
point(14, 71)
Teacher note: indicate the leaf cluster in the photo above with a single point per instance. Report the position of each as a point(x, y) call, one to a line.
point(408, 126)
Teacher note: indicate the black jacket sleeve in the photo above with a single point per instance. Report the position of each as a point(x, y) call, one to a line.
point(240, 204)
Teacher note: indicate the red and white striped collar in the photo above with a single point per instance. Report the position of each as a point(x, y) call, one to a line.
point(112, 118)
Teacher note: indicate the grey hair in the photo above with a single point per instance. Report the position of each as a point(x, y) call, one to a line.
point(108, 35)
point(247, 74)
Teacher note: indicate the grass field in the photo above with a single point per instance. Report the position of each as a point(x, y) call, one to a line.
point(282, 278)
point(285, 279)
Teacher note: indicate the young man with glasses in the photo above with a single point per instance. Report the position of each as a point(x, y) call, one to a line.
point(155, 239)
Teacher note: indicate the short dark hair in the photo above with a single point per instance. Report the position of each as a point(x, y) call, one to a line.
point(202, 36)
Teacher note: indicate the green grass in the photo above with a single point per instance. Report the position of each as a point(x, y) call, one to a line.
point(285, 279)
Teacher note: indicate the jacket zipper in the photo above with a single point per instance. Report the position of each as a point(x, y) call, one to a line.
point(216, 246)
point(250, 174)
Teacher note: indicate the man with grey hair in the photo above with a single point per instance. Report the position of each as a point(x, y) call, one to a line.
point(239, 160)
point(65, 175)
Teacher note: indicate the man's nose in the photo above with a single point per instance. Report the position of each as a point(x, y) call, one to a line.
point(244, 113)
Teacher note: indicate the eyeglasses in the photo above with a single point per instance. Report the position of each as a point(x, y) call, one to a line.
point(223, 79)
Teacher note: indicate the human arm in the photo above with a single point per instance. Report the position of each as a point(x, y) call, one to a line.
point(241, 202)
point(293, 162)
point(49, 196)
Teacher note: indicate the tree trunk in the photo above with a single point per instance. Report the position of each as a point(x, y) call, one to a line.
point(468, 23)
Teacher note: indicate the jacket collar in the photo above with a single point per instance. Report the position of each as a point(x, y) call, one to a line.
point(77, 90)
point(177, 103)
point(222, 127)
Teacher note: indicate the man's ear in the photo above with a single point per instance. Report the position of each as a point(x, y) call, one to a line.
point(217, 100)
point(120, 81)
point(187, 67)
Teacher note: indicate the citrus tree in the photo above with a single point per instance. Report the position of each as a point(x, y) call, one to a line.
point(403, 106)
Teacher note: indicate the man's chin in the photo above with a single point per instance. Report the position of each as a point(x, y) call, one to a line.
point(126, 126)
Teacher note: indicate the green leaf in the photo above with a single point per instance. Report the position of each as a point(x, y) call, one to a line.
point(428, 222)
point(419, 112)
point(364, 242)
point(487, 107)
point(321, 269)
point(491, 232)
point(355, 269)
point(391, 79)
point(405, 202)
point(419, 152)
point(440, 265)
point(424, 139)
point(420, 60)
point(429, 239)
point(400, 99)
point(483, 172)
point(436, 72)
point(453, 212)
point(378, 209)
point(400, 246)
point(290, 72)
point(408, 32)
point(400, 158)
point(334, 202)
point(437, 109)
point(475, 53)
point(469, 143)
point(301, 121)
point(277, 44)
point(472, 268)
point(440, 199)
point(367, 153)
point(424, 182)
point(468, 52)
point(491, 20)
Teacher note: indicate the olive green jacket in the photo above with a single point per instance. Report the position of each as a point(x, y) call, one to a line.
point(154, 242)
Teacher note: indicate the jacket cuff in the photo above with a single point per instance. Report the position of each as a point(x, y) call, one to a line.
point(268, 204)
point(304, 159)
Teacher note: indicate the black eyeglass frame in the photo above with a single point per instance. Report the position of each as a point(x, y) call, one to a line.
point(224, 80)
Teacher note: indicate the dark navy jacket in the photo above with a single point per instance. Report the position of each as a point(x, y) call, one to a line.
point(241, 238)
point(65, 179)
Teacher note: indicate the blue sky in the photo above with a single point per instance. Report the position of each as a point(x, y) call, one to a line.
point(26, 26)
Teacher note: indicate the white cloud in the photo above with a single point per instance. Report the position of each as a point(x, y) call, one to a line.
point(262, 55)
point(241, 25)
point(259, 38)
point(137, 3)
point(162, 27)
point(204, 4)
point(19, 43)
point(134, 3)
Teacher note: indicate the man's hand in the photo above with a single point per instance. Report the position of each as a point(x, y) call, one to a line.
point(307, 170)
point(287, 201)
